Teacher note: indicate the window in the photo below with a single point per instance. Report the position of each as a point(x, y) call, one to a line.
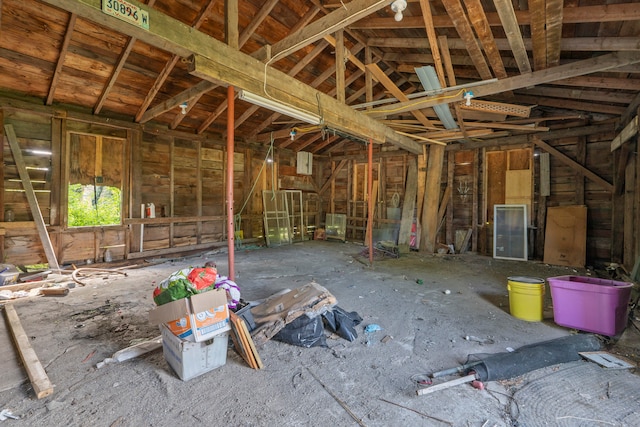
point(95, 180)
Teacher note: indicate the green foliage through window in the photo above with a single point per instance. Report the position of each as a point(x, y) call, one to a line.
point(91, 205)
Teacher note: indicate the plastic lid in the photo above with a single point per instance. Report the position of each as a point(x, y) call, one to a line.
point(524, 279)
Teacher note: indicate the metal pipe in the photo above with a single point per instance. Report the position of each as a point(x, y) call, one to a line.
point(230, 150)
point(370, 205)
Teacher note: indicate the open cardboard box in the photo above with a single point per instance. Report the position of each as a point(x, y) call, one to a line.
point(198, 318)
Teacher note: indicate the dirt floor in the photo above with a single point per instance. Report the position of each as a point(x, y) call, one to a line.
point(433, 311)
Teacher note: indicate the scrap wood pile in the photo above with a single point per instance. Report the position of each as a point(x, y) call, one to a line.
point(15, 284)
point(299, 316)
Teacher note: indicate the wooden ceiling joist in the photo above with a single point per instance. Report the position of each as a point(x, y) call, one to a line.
point(514, 35)
point(328, 24)
point(574, 69)
point(570, 15)
point(61, 57)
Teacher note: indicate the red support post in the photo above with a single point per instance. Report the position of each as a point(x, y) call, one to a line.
point(230, 150)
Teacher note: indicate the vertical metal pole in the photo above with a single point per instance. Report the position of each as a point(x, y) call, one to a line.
point(370, 205)
point(230, 151)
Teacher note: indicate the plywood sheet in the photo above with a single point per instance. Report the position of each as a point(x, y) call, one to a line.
point(566, 236)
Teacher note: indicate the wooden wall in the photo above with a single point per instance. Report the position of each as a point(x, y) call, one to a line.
point(184, 176)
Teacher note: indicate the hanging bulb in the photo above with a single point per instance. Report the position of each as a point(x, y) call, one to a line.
point(183, 107)
point(398, 6)
point(292, 134)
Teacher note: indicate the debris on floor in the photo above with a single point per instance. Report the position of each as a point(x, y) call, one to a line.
point(132, 351)
point(501, 366)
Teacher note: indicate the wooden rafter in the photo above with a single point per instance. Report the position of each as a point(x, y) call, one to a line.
point(63, 54)
point(427, 16)
point(115, 73)
point(395, 91)
point(463, 27)
point(328, 24)
point(571, 15)
point(264, 11)
point(573, 69)
point(166, 71)
point(446, 56)
point(553, 26)
point(483, 30)
point(538, 34)
point(255, 23)
point(514, 35)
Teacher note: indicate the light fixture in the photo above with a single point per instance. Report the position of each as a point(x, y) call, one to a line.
point(398, 6)
point(292, 134)
point(429, 80)
point(183, 107)
point(279, 107)
point(468, 95)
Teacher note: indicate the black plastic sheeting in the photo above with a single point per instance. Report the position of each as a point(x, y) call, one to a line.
point(503, 366)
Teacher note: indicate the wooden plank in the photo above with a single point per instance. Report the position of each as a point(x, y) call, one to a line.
point(628, 256)
point(444, 204)
point(31, 197)
point(465, 241)
point(629, 131)
point(545, 175)
point(572, 163)
point(430, 214)
point(476, 14)
point(463, 27)
point(432, 37)
point(408, 206)
point(340, 66)
point(573, 69)
point(553, 27)
point(37, 375)
point(507, 15)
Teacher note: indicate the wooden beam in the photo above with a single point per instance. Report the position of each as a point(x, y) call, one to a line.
point(571, 163)
point(340, 66)
point(264, 11)
point(553, 25)
point(629, 131)
point(340, 18)
point(61, 57)
point(166, 71)
point(432, 199)
point(115, 73)
point(461, 22)
point(514, 35)
point(37, 375)
point(573, 69)
point(432, 38)
point(538, 34)
point(196, 90)
point(571, 15)
point(334, 173)
point(395, 91)
point(408, 206)
point(231, 34)
point(476, 14)
point(31, 197)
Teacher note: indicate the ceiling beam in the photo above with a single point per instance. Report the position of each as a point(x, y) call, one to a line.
point(63, 54)
point(478, 19)
point(573, 69)
point(328, 24)
point(166, 71)
point(509, 21)
point(570, 15)
point(463, 27)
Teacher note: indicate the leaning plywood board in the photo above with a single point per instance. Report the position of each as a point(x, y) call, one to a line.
point(39, 379)
point(565, 241)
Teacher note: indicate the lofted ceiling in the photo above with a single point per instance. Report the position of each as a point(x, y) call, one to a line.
point(524, 66)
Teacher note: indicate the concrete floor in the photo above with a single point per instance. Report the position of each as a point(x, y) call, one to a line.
point(346, 383)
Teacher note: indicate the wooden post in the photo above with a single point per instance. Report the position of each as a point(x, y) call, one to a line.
point(432, 199)
point(408, 207)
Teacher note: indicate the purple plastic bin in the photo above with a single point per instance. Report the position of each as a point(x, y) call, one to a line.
point(590, 304)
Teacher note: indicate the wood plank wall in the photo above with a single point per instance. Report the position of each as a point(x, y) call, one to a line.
point(183, 175)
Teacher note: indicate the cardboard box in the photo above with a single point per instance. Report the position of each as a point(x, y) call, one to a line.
point(197, 318)
point(190, 359)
